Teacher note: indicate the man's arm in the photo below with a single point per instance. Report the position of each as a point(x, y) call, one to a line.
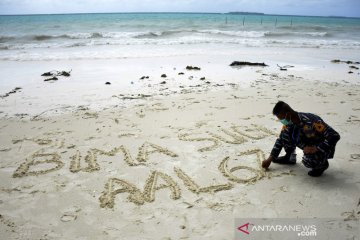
point(274, 153)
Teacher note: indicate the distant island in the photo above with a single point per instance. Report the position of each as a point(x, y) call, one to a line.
point(246, 13)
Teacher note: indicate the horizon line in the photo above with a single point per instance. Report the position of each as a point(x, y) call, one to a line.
point(223, 13)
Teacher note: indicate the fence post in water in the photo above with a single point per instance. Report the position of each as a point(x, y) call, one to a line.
point(243, 21)
point(275, 22)
point(291, 22)
point(261, 21)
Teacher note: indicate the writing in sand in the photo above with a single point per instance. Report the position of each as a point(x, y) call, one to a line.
point(156, 180)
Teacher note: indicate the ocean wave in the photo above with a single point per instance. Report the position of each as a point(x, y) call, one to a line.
point(67, 36)
point(46, 37)
point(96, 35)
point(304, 28)
point(148, 35)
point(304, 34)
point(165, 49)
point(184, 40)
point(43, 37)
point(274, 37)
point(240, 34)
point(78, 44)
point(6, 39)
point(4, 47)
point(168, 34)
point(245, 34)
point(162, 33)
point(261, 34)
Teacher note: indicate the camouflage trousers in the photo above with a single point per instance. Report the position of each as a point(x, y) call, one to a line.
point(289, 140)
point(317, 160)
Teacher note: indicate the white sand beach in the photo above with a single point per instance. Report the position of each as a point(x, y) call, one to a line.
point(175, 157)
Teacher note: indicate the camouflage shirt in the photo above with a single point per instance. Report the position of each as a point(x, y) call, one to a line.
point(313, 131)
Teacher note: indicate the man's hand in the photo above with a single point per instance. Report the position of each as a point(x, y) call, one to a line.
point(266, 163)
point(310, 150)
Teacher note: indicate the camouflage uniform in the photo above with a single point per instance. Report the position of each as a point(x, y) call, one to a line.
point(311, 131)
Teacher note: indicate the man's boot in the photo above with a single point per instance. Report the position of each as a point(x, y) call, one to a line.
point(318, 172)
point(289, 158)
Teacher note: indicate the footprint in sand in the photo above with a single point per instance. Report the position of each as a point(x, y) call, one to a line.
point(5, 149)
point(70, 215)
point(355, 156)
point(353, 118)
point(88, 115)
point(126, 135)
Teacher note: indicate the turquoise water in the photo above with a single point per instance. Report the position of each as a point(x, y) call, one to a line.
point(23, 37)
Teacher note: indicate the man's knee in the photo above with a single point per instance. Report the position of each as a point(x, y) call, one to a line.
point(289, 149)
point(314, 161)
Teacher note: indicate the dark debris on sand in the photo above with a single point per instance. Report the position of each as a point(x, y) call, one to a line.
point(51, 79)
point(347, 62)
point(132, 96)
point(193, 68)
point(15, 90)
point(352, 67)
point(55, 74)
point(284, 68)
point(242, 63)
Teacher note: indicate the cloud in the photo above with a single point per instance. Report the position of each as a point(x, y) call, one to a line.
point(305, 7)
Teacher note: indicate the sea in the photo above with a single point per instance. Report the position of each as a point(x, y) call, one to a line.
point(126, 35)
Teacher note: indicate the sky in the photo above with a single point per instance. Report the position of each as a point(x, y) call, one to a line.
point(348, 8)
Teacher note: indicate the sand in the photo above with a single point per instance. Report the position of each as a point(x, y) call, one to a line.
point(179, 160)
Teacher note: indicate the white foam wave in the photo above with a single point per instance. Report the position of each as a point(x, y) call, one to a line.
point(125, 49)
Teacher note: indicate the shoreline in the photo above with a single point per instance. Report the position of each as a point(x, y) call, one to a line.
point(86, 85)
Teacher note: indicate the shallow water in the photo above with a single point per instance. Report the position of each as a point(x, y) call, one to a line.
point(121, 35)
